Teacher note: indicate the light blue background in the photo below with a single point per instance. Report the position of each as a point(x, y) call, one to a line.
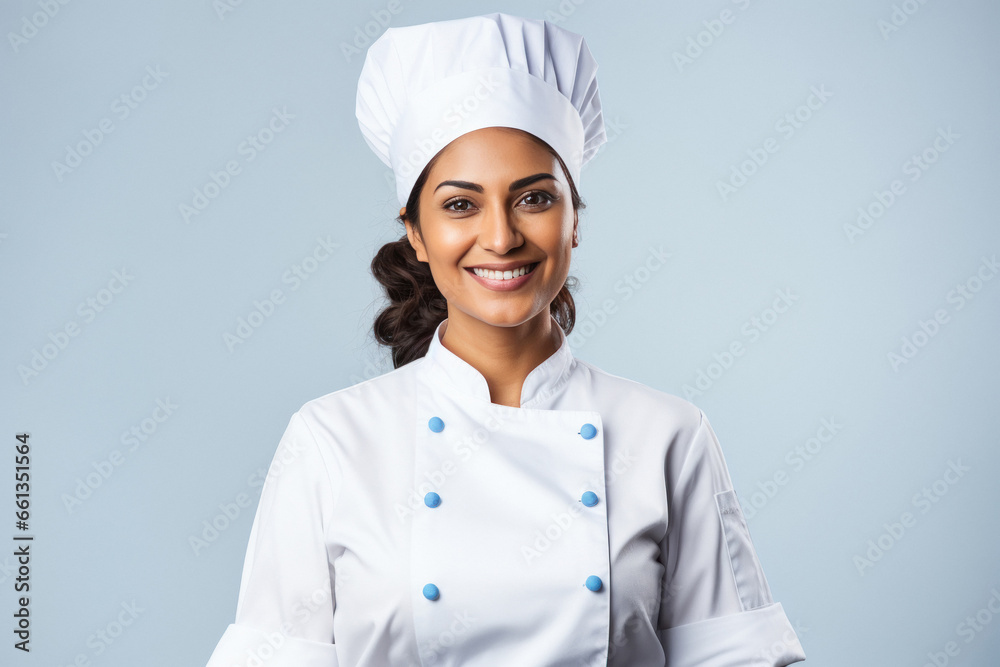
point(675, 132)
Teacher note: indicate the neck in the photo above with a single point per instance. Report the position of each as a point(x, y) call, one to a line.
point(505, 355)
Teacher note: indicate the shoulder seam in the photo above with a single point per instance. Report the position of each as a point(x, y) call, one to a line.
point(687, 455)
point(334, 489)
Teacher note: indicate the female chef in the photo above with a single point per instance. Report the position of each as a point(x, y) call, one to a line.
point(494, 501)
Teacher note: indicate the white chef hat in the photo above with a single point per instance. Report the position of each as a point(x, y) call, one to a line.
point(423, 86)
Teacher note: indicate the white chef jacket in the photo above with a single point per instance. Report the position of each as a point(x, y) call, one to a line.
point(409, 521)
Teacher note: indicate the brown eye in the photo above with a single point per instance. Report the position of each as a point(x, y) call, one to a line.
point(463, 205)
point(537, 199)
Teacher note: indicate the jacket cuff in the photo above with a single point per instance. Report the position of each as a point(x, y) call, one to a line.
point(761, 637)
point(242, 646)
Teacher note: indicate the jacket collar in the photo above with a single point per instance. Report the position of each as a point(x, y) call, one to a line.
point(542, 382)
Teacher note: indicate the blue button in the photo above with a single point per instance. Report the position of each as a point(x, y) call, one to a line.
point(436, 424)
point(593, 583)
point(588, 431)
point(431, 591)
point(589, 498)
point(433, 500)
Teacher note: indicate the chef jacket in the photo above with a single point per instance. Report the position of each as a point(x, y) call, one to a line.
point(407, 520)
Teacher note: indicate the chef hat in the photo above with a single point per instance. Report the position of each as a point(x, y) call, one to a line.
point(423, 86)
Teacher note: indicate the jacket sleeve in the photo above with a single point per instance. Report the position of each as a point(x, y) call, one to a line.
point(716, 608)
point(284, 614)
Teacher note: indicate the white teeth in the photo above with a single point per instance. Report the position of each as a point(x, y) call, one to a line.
point(502, 275)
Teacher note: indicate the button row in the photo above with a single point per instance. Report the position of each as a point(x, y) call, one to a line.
point(593, 583)
point(587, 431)
point(589, 498)
point(432, 499)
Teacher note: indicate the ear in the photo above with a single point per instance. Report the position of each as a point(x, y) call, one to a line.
point(414, 238)
point(576, 225)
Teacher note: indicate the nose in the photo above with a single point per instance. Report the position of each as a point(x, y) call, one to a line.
point(498, 229)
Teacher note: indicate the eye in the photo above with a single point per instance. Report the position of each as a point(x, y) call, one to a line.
point(538, 199)
point(448, 205)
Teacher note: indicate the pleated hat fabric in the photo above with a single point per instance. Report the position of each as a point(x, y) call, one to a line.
point(423, 86)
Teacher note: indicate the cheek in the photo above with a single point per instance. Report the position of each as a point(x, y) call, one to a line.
point(559, 240)
point(445, 246)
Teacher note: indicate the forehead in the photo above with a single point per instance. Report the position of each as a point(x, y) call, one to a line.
point(497, 151)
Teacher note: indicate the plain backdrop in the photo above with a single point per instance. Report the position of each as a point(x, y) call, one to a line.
point(811, 184)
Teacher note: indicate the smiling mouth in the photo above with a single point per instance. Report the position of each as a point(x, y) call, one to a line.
point(504, 275)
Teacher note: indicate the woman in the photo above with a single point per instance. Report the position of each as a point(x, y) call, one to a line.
point(494, 500)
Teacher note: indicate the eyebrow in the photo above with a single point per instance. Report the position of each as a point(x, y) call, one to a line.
point(519, 183)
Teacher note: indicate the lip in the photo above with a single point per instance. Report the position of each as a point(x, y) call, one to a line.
point(503, 285)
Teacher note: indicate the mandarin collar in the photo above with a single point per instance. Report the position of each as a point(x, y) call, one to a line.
point(542, 382)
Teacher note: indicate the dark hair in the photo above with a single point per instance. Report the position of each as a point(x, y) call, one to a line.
point(416, 306)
